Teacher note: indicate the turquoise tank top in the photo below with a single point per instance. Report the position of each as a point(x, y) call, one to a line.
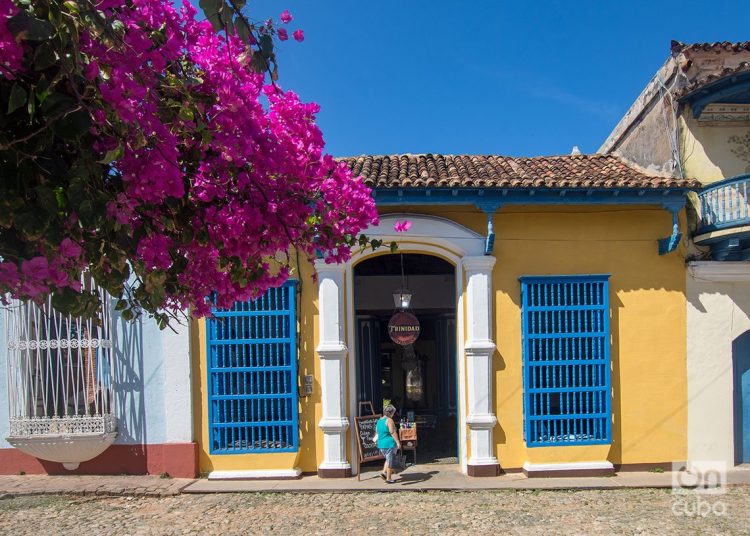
point(385, 439)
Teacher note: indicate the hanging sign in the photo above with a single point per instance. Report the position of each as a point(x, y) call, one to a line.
point(403, 328)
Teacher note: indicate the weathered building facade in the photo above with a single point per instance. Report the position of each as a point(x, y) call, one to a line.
point(693, 120)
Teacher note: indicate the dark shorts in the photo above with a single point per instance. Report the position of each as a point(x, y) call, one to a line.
point(390, 455)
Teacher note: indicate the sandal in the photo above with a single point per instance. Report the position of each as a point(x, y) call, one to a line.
point(382, 475)
point(391, 481)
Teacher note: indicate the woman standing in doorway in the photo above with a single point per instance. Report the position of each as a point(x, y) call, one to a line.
point(388, 442)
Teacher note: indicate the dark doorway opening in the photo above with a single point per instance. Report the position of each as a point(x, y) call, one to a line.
point(741, 360)
point(419, 379)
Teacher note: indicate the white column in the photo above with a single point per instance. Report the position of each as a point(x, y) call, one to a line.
point(332, 351)
point(479, 349)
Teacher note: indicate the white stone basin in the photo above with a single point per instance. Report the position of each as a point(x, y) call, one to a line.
point(69, 441)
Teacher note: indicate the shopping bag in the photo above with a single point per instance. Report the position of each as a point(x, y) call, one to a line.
point(399, 461)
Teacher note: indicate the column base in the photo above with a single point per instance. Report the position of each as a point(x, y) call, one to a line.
point(483, 470)
point(334, 472)
point(564, 470)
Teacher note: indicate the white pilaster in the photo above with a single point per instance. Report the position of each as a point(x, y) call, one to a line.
point(178, 402)
point(479, 349)
point(332, 351)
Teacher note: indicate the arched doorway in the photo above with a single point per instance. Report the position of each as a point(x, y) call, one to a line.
point(421, 378)
point(462, 248)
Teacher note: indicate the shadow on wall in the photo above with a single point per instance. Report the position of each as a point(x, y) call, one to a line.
point(129, 381)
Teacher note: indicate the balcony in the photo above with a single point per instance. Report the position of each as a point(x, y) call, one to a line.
point(724, 222)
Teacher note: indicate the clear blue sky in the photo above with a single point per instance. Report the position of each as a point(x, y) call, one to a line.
point(513, 78)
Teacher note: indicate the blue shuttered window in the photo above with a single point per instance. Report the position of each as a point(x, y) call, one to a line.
point(566, 367)
point(252, 375)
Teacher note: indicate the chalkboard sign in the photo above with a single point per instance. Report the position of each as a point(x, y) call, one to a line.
point(366, 445)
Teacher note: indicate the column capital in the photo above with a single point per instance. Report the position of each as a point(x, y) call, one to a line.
point(321, 266)
point(332, 350)
point(483, 263)
point(334, 425)
point(481, 421)
point(480, 348)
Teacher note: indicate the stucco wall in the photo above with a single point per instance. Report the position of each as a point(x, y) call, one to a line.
point(647, 142)
point(707, 152)
point(152, 378)
point(718, 312)
point(648, 321)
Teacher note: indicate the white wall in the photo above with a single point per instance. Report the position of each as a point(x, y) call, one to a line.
point(718, 302)
point(152, 383)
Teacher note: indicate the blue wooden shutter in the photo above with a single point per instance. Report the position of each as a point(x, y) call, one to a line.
point(565, 324)
point(252, 375)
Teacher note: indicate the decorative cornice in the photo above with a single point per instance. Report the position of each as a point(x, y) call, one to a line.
point(485, 263)
point(334, 425)
point(720, 271)
point(480, 348)
point(322, 266)
point(477, 421)
point(332, 350)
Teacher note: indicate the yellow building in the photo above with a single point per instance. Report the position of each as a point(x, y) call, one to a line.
point(551, 303)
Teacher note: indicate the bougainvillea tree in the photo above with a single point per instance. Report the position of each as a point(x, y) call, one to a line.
point(157, 152)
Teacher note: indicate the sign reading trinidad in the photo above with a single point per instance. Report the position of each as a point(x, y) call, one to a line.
point(403, 328)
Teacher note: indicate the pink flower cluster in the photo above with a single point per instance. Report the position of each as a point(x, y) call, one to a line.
point(38, 274)
point(11, 52)
point(259, 185)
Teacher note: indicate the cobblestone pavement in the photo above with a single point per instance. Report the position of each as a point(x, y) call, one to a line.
point(624, 511)
point(91, 485)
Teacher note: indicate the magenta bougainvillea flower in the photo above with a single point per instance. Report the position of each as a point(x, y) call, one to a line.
point(401, 226)
point(286, 17)
point(216, 175)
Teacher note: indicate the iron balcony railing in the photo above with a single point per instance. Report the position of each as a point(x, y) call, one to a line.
point(725, 204)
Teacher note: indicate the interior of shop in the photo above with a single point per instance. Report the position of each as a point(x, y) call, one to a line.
point(419, 379)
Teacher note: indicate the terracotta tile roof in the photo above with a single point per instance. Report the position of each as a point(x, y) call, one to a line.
point(718, 46)
point(711, 78)
point(491, 171)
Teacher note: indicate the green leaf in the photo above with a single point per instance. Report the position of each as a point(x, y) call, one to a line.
point(112, 155)
point(17, 98)
point(121, 304)
point(30, 29)
point(243, 30)
point(239, 4)
point(44, 56)
point(46, 199)
point(375, 244)
point(58, 103)
point(186, 114)
point(258, 63)
point(73, 125)
point(216, 22)
point(266, 45)
point(394, 247)
point(211, 7)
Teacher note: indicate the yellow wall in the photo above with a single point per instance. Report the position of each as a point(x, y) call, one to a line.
point(311, 439)
point(647, 297)
point(707, 152)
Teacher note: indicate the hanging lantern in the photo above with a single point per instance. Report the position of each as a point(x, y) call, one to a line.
point(401, 298)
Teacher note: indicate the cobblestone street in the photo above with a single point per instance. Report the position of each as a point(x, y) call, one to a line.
point(625, 511)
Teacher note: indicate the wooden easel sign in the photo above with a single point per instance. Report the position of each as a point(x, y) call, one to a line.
point(367, 446)
point(366, 405)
